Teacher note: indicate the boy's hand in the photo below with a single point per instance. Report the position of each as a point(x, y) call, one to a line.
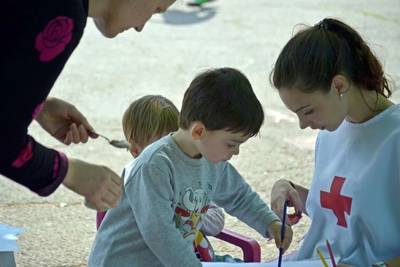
point(275, 229)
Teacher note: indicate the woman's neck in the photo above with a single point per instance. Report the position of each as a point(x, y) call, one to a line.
point(365, 104)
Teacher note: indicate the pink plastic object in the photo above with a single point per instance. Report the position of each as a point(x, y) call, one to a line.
point(250, 247)
point(99, 218)
point(294, 218)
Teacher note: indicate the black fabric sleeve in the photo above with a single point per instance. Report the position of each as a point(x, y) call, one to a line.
point(38, 37)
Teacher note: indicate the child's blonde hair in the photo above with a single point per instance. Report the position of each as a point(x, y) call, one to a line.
point(148, 117)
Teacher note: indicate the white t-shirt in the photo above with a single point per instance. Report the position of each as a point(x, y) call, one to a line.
point(354, 198)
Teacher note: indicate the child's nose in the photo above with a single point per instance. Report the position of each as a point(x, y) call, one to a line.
point(303, 123)
point(236, 151)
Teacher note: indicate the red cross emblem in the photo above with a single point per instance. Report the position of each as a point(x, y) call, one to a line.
point(338, 203)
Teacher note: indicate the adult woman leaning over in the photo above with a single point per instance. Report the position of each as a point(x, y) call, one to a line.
point(329, 77)
point(38, 37)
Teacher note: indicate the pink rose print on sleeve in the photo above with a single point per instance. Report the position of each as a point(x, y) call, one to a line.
point(56, 167)
point(54, 38)
point(37, 110)
point(23, 157)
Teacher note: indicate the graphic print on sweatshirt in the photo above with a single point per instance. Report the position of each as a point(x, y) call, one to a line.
point(191, 211)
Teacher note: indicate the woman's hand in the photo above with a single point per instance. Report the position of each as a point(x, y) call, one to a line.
point(282, 192)
point(64, 122)
point(275, 229)
point(98, 184)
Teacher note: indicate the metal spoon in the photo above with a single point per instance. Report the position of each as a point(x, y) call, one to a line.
point(116, 143)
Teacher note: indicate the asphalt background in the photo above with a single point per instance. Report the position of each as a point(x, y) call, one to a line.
point(104, 75)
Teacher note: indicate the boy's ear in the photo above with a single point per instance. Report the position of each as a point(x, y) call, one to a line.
point(134, 149)
point(197, 130)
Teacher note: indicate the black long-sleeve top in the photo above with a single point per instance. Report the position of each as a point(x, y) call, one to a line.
point(36, 39)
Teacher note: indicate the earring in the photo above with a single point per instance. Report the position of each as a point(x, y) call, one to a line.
point(341, 96)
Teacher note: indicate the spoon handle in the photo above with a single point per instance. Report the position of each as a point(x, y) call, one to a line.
point(100, 136)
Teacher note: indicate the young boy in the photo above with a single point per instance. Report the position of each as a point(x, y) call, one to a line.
point(166, 188)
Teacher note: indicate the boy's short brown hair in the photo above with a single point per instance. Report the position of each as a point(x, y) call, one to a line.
point(222, 99)
point(148, 117)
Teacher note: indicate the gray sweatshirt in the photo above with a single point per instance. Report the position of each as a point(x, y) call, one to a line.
point(166, 195)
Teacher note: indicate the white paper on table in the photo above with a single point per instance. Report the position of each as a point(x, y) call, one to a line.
point(305, 263)
point(8, 239)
